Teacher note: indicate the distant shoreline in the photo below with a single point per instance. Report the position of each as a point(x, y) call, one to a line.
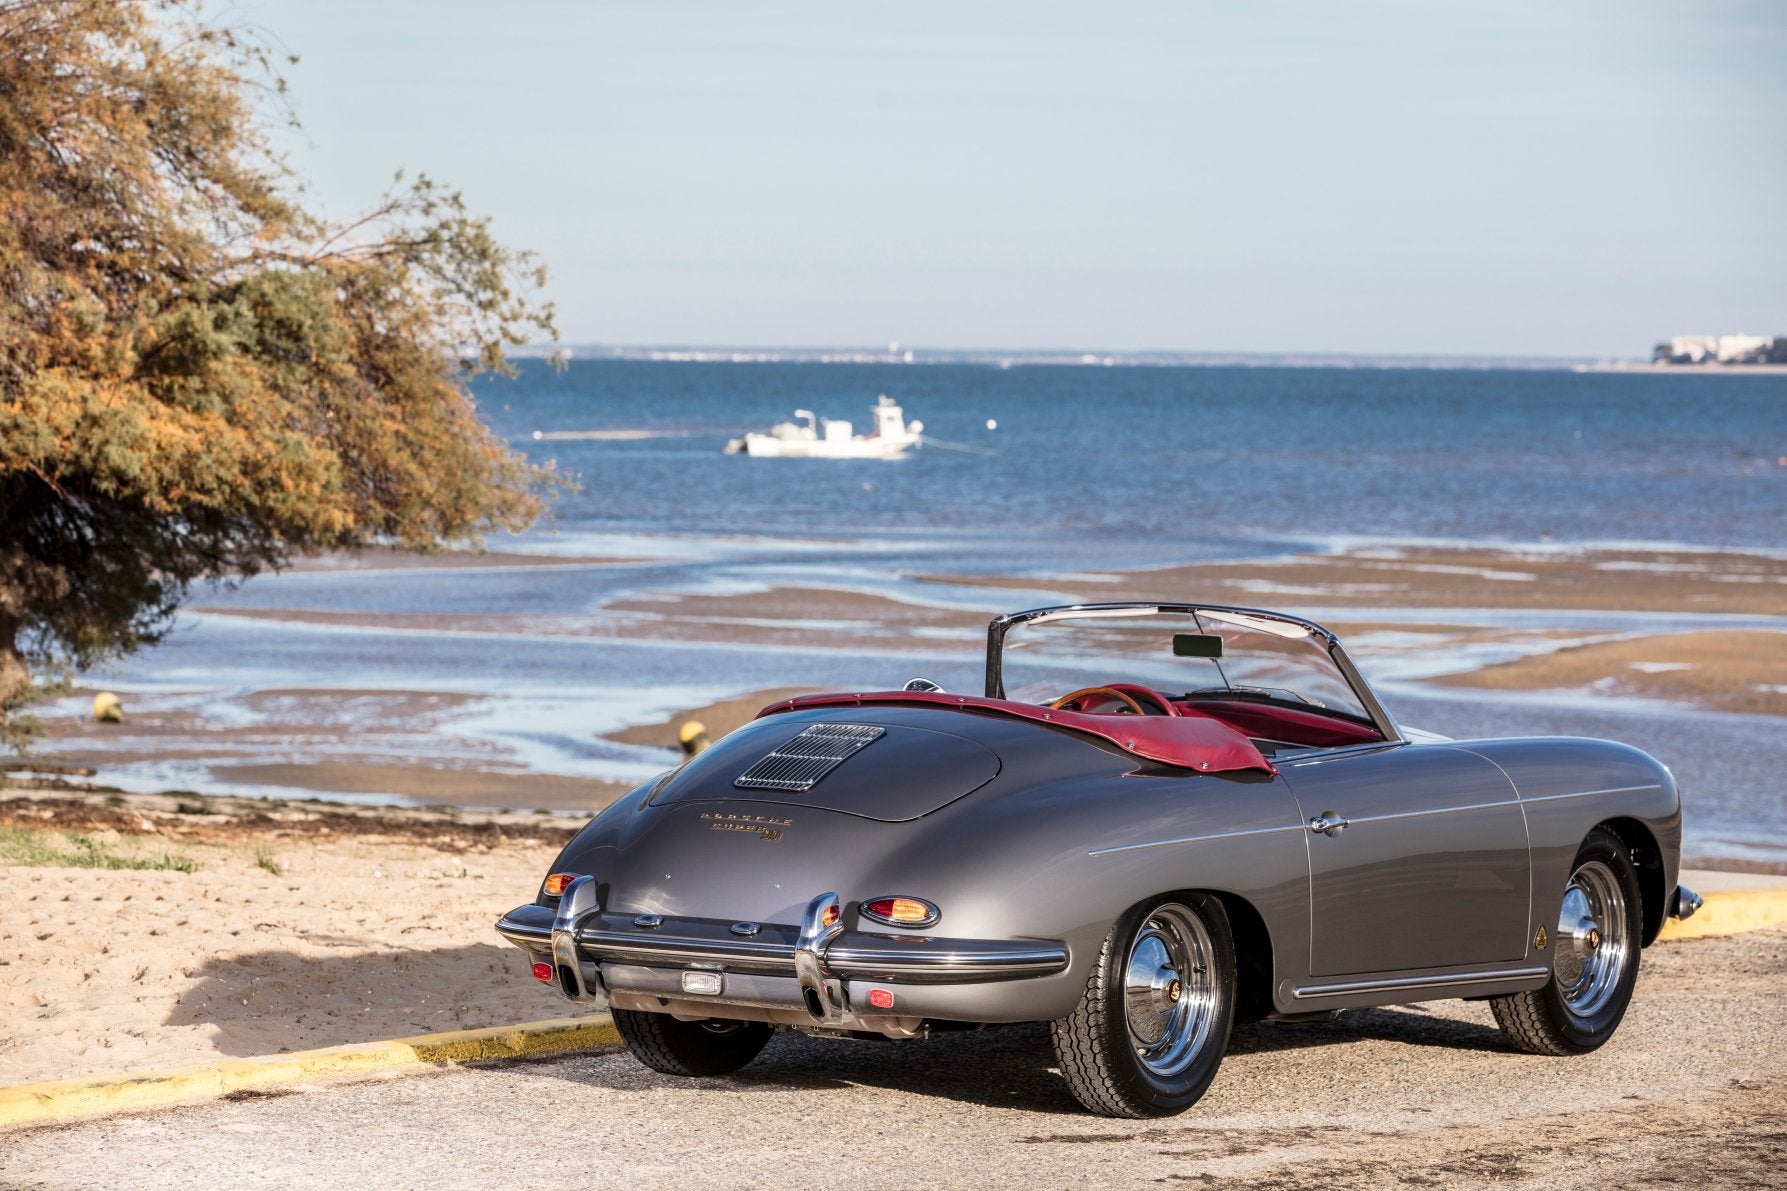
point(1688, 369)
point(689, 354)
point(912, 357)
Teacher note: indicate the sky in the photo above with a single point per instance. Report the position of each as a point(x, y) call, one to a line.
point(1520, 177)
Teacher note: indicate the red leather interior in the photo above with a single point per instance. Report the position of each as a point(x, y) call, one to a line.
point(1284, 723)
point(1199, 742)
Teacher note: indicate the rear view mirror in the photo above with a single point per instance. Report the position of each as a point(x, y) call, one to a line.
point(1197, 645)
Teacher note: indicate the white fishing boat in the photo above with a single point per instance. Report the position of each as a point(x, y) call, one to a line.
point(813, 437)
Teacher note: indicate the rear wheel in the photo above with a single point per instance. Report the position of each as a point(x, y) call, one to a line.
point(675, 1047)
point(1152, 1025)
point(1594, 966)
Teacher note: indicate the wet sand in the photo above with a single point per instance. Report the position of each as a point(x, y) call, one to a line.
point(1409, 577)
point(1724, 671)
point(409, 560)
point(788, 616)
point(727, 715)
point(384, 744)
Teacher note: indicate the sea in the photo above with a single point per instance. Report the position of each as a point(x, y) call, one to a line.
point(1043, 473)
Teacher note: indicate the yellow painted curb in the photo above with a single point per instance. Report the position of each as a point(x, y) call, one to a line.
point(1730, 912)
point(58, 1099)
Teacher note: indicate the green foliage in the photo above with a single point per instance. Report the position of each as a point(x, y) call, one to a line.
point(40, 849)
point(198, 378)
point(265, 859)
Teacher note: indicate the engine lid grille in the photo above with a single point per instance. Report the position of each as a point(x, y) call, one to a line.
point(799, 764)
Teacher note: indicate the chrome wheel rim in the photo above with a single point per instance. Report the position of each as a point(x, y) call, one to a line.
point(1169, 989)
point(1593, 939)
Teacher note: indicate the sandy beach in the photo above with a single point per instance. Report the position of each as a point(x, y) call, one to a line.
point(256, 928)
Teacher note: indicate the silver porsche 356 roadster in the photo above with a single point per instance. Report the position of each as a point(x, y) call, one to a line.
point(1159, 820)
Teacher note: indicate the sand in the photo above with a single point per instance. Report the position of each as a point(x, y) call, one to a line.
point(377, 925)
point(719, 718)
point(1743, 671)
point(1408, 577)
point(809, 617)
point(406, 560)
point(389, 743)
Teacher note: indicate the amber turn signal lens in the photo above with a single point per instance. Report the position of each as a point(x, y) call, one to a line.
point(556, 883)
point(901, 911)
point(832, 913)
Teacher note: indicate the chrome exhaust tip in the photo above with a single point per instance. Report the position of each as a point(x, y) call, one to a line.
point(1685, 902)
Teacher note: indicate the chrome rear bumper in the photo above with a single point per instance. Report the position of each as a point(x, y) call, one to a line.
point(808, 967)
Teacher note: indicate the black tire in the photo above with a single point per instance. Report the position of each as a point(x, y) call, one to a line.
point(1594, 967)
point(1116, 1069)
point(675, 1047)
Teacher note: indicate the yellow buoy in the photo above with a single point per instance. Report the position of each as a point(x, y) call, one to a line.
point(692, 736)
point(107, 709)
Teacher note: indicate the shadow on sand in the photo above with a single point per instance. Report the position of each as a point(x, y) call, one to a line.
point(270, 1002)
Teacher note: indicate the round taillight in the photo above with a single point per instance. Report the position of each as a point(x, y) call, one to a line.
point(901, 911)
point(542, 971)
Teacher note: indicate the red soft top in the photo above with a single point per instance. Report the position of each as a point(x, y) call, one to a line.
point(1190, 740)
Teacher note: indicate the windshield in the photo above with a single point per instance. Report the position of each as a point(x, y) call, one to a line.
point(1195, 655)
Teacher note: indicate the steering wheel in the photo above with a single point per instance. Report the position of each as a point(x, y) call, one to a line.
point(1121, 692)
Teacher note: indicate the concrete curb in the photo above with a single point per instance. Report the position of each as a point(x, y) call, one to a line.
point(1730, 912)
point(60, 1099)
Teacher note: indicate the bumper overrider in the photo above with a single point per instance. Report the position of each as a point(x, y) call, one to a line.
point(793, 975)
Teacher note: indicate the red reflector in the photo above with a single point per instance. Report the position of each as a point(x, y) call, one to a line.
point(542, 971)
point(880, 998)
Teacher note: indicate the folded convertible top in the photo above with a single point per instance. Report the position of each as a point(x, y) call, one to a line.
point(1189, 741)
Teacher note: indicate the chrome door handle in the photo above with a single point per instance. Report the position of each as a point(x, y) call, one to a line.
point(1328, 823)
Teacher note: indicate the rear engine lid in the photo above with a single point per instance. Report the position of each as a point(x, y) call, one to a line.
point(887, 771)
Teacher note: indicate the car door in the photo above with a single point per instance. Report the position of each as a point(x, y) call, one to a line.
point(1418, 858)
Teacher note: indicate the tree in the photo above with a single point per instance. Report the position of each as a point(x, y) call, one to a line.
point(198, 377)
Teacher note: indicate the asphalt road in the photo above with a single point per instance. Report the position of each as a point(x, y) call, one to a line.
point(1691, 1092)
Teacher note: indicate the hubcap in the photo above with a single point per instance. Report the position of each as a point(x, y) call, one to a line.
point(1169, 989)
point(1593, 939)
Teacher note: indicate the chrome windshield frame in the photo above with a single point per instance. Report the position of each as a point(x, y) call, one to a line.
point(1001, 625)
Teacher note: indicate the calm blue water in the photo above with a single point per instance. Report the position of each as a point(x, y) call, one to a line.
point(1168, 460)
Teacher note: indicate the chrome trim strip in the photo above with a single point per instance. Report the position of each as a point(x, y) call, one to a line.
point(522, 934)
point(944, 967)
point(1436, 810)
point(1311, 991)
point(1194, 839)
point(1307, 755)
point(1592, 793)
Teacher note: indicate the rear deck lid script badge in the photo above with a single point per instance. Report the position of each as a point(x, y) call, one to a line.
point(767, 827)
